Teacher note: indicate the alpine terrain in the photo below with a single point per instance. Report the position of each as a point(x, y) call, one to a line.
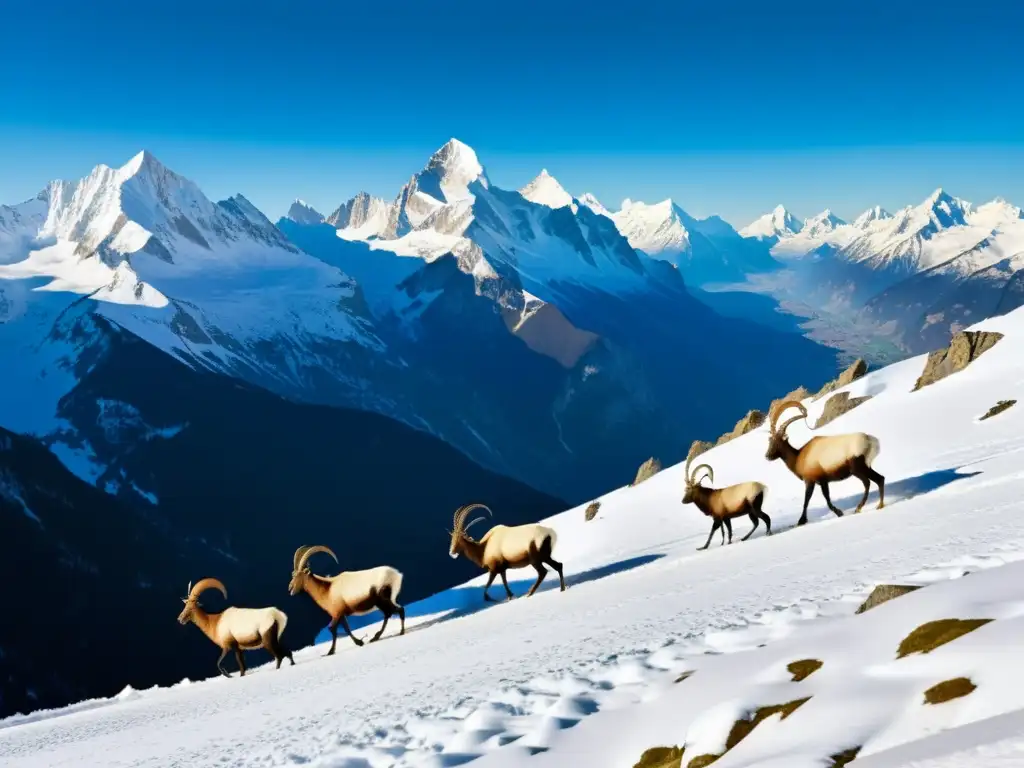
point(889, 638)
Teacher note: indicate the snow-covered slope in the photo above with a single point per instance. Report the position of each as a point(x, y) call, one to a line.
point(654, 644)
point(593, 204)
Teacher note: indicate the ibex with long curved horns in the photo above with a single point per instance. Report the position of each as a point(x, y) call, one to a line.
point(826, 459)
point(724, 504)
point(350, 593)
point(504, 547)
point(236, 629)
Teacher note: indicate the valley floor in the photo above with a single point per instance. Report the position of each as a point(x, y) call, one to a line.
point(588, 677)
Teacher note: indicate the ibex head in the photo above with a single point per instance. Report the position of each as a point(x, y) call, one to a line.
point(300, 566)
point(459, 528)
point(693, 481)
point(191, 600)
point(777, 436)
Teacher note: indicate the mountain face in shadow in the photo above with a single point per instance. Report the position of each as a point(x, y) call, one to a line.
point(226, 480)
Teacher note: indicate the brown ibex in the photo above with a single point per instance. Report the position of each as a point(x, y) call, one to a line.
point(236, 629)
point(504, 547)
point(724, 504)
point(826, 459)
point(349, 593)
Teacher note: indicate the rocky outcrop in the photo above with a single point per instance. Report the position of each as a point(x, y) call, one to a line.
point(837, 405)
point(857, 369)
point(998, 408)
point(964, 349)
point(800, 393)
point(698, 447)
point(647, 470)
point(545, 330)
point(748, 423)
point(884, 593)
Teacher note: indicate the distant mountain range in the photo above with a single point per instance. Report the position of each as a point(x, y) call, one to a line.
point(918, 275)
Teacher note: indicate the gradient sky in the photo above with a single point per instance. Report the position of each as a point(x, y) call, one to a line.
point(727, 107)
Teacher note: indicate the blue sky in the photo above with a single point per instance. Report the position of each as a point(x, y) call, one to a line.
point(727, 107)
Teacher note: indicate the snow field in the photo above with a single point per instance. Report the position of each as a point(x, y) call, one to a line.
point(587, 676)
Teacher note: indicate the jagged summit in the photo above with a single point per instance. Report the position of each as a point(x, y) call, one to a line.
point(822, 224)
point(545, 190)
point(777, 224)
point(875, 213)
point(361, 216)
point(302, 213)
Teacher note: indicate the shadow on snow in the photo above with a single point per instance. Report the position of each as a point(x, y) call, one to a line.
point(897, 491)
point(465, 600)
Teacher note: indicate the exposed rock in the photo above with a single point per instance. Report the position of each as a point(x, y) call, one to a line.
point(948, 690)
point(661, 757)
point(748, 423)
point(800, 393)
point(837, 405)
point(964, 349)
point(698, 447)
point(883, 593)
point(591, 511)
point(934, 634)
point(857, 369)
point(545, 330)
point(803, 668)
point(847, 756)
point(998, 408)
point(647, 470)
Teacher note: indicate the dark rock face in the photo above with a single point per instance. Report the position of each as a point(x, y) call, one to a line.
point(241, 478)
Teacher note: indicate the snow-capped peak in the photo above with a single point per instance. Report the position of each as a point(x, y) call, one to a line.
point(822, 224)
point(654, 228)
point(454, 167)
point(302, 213)
point(593, 204)
point(873, 214)
point(545, 190)
point(779, 223)
point(143, 161)
point(939, 211)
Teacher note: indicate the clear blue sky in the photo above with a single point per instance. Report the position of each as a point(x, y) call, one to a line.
point(727, 107)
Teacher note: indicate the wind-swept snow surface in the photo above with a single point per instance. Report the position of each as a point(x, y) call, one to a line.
point(588, 677)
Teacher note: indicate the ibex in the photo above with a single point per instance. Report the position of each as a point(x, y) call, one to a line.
point(826, 459)
point(504, 547)
point(723, 504)
point(237, 629)
point(350, 593)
